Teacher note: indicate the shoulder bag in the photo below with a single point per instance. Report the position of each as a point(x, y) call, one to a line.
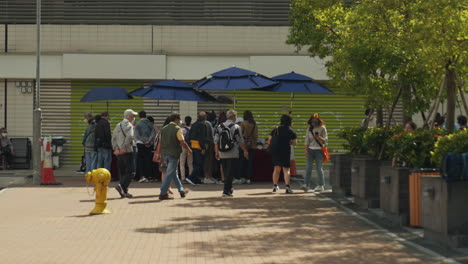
point(326, 155)
point(118, 151)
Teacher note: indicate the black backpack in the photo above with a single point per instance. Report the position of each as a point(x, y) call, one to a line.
point(455, 167)
point(226, 139)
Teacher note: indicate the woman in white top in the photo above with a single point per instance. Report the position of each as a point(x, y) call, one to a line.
point(316, 137)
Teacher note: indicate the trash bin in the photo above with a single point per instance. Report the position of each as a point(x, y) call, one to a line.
point(57, 148)
point(415, 194)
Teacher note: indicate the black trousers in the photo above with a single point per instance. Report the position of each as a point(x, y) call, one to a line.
point(125, 164)
point(230, 167)
point(246, 166)
point(198, 163)
point(145, 160)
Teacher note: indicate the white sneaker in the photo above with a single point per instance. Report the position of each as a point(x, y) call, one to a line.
point(319, 188)
point(237, 181)
point(209, 180)
point(276, 189)
point(143, 179)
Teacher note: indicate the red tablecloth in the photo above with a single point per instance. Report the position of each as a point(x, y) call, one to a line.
point(262, 166)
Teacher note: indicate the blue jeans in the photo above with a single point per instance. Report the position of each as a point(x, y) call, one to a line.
point(171, 175)
point(104, 158)
point(317, 156)
point(90, 157)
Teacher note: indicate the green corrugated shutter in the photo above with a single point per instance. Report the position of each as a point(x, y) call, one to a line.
point(337, 111)
point(116, 109)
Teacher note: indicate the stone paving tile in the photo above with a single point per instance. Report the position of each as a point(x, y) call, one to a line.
point(51, 225)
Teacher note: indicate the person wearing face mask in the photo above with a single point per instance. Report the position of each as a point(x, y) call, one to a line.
point(6, 149)
point(122, 143)
point(89, 141)
point(316, 137)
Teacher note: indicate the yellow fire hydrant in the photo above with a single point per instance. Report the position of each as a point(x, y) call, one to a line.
point(100, 178)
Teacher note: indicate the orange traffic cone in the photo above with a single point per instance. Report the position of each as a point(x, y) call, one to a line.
point(47, 173)
point(293, 171)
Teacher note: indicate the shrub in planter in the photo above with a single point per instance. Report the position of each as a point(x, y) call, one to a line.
point(375, 139)
point(454, 143)
point(365, 145)
point(413, 150)
point(354, 140)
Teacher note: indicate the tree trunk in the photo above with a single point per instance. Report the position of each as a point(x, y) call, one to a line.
point(462, 94)
point(406, 96)
point(392, 110)
point(451, 98)
point(380, 119)
point(435, 106)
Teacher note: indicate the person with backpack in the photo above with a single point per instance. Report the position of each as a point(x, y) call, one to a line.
point(280, 141)
point(122, 143)
point(250, 134)
point(228, 140)
point(198, 144)
point(316, 137)
point(186, 159)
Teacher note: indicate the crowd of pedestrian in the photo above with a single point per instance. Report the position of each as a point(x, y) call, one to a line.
point(218, 150)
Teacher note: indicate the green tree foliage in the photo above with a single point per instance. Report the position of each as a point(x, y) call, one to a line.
point(377, 47)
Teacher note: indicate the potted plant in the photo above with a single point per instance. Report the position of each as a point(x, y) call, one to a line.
point(400, 183)
point(443, 212)
point(366, 146)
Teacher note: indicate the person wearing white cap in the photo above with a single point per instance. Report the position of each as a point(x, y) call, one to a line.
point(122, 140)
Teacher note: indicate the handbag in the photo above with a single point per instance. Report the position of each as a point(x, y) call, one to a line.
point(118, 151)
point(326, 154)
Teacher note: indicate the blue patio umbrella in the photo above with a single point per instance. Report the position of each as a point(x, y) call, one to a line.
point(296, 83)
point(172, 90)
point(106, 94)
point(233, 79)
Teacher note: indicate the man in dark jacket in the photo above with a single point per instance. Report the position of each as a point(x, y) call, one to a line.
point(89, 141)
point(103, 142)
point(144, 137)
point(198, 133)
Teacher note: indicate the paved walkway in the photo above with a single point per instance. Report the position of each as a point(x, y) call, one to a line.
point(50, 225)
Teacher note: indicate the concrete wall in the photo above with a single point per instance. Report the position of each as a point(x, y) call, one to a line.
point(187, 40)
point(19, 109)
point(151, 67)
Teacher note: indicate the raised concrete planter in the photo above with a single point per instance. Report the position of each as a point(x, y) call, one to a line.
point(394, 194)
point(340, 174)
point(365, 181)
point(444, 214)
